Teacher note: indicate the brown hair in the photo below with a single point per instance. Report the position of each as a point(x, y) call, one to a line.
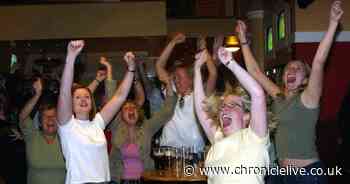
point(181, 65)
point(93, 112)
point(139, 111)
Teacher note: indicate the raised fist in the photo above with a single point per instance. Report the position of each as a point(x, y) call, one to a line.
point(336, 11)
point(224, 56)
point(201, 58)
point(241, 29)
point(179, 38)
point(75, 47)
point(129, 58)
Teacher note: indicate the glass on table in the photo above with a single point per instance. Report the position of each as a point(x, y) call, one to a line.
point(158, 154)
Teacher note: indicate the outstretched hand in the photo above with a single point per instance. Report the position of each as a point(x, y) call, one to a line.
point(201, 58)
point(241, 29)
point(129, 58)
point(38, 87)
point(104, 61)
point(224, 56)
point(201, 43)
point(336, 11)
point(75, 47)
point(218, 42)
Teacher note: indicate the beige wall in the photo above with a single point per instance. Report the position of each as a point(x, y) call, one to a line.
point(194, 27)
point(82, 20)
point(316, 16)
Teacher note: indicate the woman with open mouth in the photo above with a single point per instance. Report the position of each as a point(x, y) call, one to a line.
point(131, 134)
point(296, 103)
point(84, 144)
point(239, 139)
point(131, 140)
point(43, 150)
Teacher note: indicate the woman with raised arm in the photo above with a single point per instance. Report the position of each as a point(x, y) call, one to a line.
point(235, 142)
point(296, 103)
point(131, 140)
point(81, 129)
point(43, 150)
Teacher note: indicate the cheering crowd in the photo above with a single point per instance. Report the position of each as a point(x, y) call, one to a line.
point(64, 134)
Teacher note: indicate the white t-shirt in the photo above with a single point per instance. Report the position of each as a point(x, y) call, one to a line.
point(84, 147)
point(183, 129)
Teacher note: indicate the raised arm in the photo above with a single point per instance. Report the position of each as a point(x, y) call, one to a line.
point(139, 93)
point(252, 66)
point(110, 84)
point(218, 42)
point(163, 75)
point(212, 72)
point(213, 75)
point(64, 106)
point(113, 105)
point(200, 97)
point(138, 88)
point(105, 62)
point(100, 77)
point(28, 107)
point(258, 102)
point(162, 116)
point(147, 84)
point(311, 95)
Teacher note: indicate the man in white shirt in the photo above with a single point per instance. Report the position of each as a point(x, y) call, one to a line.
point(183, 130)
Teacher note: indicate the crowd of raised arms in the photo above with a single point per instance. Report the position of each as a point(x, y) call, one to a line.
point(65, 139)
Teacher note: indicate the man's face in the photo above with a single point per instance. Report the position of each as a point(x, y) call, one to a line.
point(183, 81)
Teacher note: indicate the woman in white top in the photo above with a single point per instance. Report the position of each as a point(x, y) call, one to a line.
point(235, 146)
point(81, 130)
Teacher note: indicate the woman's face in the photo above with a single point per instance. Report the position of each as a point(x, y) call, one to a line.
point(294, 75)
point(231, 114)
point(82, 101)
point(49, 121)
point(130, 113)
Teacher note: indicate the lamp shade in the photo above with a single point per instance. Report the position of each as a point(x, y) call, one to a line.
point(231, 43)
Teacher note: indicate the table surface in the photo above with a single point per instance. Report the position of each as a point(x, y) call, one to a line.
point(159, 175)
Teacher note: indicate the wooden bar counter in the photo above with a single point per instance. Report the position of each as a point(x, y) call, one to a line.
point(172, 176)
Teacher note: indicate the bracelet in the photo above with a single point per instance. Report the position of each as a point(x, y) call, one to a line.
point(228, 62)
point(133, 71)
point(245, 43)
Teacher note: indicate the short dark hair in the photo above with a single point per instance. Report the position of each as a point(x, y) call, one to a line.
point(186, 67)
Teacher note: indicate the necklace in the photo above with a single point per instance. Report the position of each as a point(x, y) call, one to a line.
point(49, 139)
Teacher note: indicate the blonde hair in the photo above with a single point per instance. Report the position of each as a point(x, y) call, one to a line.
point(215, 101)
